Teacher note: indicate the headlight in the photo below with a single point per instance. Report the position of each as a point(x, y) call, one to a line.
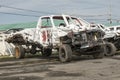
point(95, 37)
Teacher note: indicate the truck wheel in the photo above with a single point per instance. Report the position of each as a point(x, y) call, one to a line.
point(110, 49)
point(19, 52)
point(46, 52)
point(65, 53)
point(33, 50)
point(100, 54)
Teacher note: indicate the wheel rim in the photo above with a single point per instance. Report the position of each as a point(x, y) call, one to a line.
point(17, 52)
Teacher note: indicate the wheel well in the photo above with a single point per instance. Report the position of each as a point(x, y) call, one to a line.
point(65, 39)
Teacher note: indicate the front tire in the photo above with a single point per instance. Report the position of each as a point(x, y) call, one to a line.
point(19, 52)
point(33, 50)
point(100, 55)
point(65, 53)
point(110, 49)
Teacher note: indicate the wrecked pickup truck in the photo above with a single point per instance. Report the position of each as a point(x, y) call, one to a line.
point(63, 33)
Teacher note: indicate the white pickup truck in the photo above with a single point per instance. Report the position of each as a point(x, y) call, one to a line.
point(65, 33)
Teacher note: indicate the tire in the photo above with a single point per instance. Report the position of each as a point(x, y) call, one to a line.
point(33, 50)
point(46, 52)
point(100, 55)
point(110, 49)
point(19, 52)
point(65, 53)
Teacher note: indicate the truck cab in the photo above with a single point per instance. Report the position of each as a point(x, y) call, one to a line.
point(51, 28)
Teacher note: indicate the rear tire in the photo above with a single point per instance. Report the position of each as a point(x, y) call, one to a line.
point(19, 52)
point(33, 50)
point(110, 49)
point(65, 53)
point(46, 52)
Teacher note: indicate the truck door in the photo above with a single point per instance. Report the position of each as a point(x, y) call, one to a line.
point(46, 31)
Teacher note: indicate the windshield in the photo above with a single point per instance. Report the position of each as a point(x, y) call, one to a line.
point(46, 22)
point(76, 21)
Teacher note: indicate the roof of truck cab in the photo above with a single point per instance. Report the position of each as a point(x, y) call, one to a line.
point(54, 15)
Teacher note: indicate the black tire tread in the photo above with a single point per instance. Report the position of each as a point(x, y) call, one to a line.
point(68, 53)
point(22, 52)
point(46, 52)
point(112, 47)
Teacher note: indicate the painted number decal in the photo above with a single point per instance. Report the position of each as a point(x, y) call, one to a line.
point(44, 36)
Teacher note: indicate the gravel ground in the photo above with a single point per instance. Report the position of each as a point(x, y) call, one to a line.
point(80, 68)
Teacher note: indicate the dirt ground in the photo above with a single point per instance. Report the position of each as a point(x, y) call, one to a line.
point(80, 68)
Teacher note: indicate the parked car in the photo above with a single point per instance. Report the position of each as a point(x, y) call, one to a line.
point(115, 29)
point(12, 30)
point(111, 39)
point(9, 32)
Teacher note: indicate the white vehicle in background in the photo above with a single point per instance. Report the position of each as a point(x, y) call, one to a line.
point(110, 47)
point(6, 48)
point(9, 32)
point(114, 36)
point(111, 39)
point(115, 29)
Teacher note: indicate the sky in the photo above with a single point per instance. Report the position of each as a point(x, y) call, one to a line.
point(91, 10)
